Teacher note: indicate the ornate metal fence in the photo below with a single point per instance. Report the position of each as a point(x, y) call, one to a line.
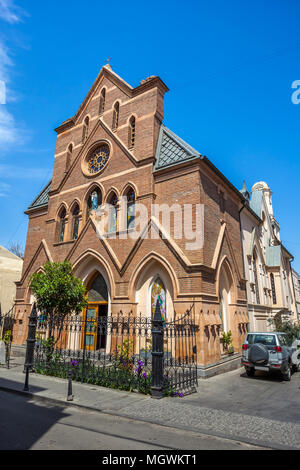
point(180, 354)
point(124, 351)
point(7, 322)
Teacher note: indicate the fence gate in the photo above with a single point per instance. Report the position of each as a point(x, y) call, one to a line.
point(180, 355)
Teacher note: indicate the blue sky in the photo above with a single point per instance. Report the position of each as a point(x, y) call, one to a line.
point(229, 66)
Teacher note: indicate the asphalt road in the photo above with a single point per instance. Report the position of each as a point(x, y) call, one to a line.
point(264, 395)
point(26, 424)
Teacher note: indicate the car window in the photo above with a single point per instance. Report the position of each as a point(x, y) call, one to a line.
point(268, 340)
point(284, 340)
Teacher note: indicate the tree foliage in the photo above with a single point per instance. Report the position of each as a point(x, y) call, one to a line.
point(57, 291)
point(286, 326)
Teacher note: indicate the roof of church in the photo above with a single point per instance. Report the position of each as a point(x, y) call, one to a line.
point(172, 150)
point(42, 198)
point(256, 202)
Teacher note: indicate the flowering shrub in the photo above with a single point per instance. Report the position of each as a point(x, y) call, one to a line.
point(121, 372)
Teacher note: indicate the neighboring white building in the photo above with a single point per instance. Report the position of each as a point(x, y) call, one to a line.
point(10, 272)
point(296, 282)
point(267, 265)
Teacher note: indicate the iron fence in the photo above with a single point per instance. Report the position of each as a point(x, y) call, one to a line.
point(7, 322)
point(180, 354)
point(124, 351)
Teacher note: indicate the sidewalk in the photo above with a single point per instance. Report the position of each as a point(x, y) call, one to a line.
point(182, 413)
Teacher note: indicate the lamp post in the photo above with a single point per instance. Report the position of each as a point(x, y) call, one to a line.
point(157, 353)
point(30, 345)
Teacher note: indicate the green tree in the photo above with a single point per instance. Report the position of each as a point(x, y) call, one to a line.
point(286, 326)
point(58, 292)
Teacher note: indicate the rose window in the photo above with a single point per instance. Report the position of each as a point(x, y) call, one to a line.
point(98, 159)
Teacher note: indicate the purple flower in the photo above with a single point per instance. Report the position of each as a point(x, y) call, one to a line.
point(74, 363)
point(177, 394)
point(145, 375)
point(139, 368)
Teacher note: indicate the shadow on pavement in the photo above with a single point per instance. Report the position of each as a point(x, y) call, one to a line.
point(24, 422)
point(265, 376)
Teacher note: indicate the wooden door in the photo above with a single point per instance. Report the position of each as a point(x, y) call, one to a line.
point(90, 329)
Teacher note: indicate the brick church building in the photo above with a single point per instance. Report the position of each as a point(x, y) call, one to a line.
point(116, 146)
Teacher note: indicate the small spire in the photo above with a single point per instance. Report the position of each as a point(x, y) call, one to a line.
point(245, 191)
point(108, 66)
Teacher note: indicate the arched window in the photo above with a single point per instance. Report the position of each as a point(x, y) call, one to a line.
point(273, 288)
point(158, 293)
point(62, 225)
point(75, 222)
point(112, 222)
point(85, 130)
point(98, 290)
point(115, 122)
point(130, 208)
point(94, 200)
point(102, 101)
point(69, 157)
point(131, 134)
point(256, 278)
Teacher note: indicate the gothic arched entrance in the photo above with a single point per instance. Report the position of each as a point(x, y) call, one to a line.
point(95, 314)
point(226, 298)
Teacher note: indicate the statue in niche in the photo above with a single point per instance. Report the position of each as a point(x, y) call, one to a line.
point(94, 201)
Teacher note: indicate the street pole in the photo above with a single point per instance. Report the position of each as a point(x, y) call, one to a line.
point(70, 392)
point(157, 353)
point(30, 345)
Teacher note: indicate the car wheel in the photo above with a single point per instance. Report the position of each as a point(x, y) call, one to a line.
point(287, 375)
point(250, 372)
point(296, 367)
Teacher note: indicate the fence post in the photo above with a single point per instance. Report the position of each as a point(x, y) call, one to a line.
point(30, 345)
point(157, 353)
point(70, 395)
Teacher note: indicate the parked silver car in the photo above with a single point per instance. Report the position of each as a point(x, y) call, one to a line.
point(269, 352)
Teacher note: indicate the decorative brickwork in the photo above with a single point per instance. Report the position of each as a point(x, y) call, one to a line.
point(177, 175)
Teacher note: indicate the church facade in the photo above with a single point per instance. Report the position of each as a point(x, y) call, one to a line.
point(116, 148)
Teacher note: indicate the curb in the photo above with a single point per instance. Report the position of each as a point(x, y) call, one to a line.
point(65, 404)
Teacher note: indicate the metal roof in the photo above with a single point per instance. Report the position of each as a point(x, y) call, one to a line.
point(256, 202)
point(42, 198)
point(172, 150)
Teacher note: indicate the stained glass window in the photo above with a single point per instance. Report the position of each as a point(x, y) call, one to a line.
point(112, 226)
point(85, 129)
point(94, 200)
point(116, 116)
point(98, 159)
point(158, 293)
point(256, 279)
point(62, 225)
point(130, 208)
point(131, 136)
point(102, 102)
point(98, 290)
point(75, 222)
point(273, 288)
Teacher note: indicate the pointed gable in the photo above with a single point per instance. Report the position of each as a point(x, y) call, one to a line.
point(42, 198)
point(172, 150)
